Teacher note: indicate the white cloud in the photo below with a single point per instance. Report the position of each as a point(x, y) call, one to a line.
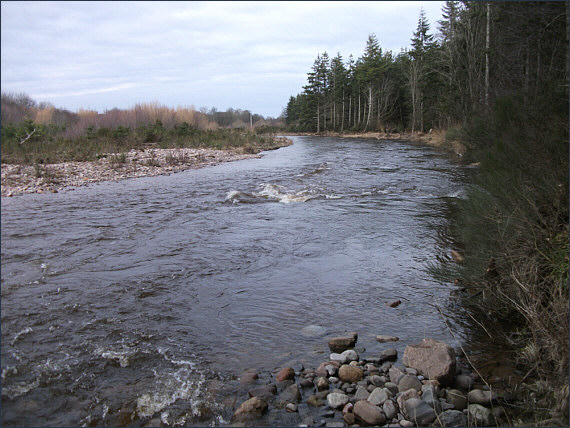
point(95, 54)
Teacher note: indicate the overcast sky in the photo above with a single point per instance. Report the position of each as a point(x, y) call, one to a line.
point(248, 55)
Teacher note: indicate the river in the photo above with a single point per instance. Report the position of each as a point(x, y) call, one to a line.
point(150, 296)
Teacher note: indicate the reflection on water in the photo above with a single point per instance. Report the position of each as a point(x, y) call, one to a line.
point(139, 299)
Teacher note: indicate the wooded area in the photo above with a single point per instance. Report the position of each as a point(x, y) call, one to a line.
point(484, 51)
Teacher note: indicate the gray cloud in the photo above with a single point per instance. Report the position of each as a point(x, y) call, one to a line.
point(250, 55)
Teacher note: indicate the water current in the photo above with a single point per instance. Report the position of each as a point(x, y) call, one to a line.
point(148, 297)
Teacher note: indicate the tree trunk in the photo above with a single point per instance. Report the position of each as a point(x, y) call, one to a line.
point(487, 45)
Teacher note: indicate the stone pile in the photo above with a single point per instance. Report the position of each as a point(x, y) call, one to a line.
point(348, 390)
point(53, 178)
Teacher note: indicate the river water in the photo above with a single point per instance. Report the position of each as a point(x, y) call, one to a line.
point(148, 297)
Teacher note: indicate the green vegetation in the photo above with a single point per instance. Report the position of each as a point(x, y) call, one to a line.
point(42, 134)
point(495, 78)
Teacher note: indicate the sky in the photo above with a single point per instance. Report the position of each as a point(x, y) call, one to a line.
point(247, 55)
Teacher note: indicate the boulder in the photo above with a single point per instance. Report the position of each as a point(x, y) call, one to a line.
point(286, 373)
point(457, 398)
point(389, 355)
point(250, 409)
point(419, 411)
point(478, 396)
point(350, 374)
point(265, 392)
point(342, 343)
point(453, 418)
point(402, 397)
point(390, 409)
point(336, 400)
point(432, 359)
point(480, 415)
point(409, 382)
point(368, 413)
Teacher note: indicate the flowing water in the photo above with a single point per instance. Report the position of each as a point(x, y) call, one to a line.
point(148, 297)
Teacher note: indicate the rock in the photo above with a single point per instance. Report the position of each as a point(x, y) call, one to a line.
point(419, 412)
point(322, 383)
point(393, 303)
point(248, 376)
point(342, 343)
point(406, 395)
point(390, 409)
point(457, 398)
point(395, 373)
point(385, 338)
point(432, 359)
point(479, 415)
point(350, 374)
point(458, 258)
point(368, 413)
point(335, 424)
point(345, 357)
point(411, 371)
point(376, 380)
point(265, 392)
point(389, 355)
point(290, 395)
point(314, 401)
point(463, 382)
point(286, 373)
point(453, 418)
point(392, 387)
point(313, 331)
point(478, 396)
point(349, 418)
point(250, 409)
point(284, 384)
point(407, 382)
point(290, 407)
point(347, 408)
point(361, 393)
point(333, 379)
point(306, 383)
point(336, 400)
point(378, 396)
point(430, 397)
point(406, 423)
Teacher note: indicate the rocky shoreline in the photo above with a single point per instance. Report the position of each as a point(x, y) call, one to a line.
point(434, 387)
point(54, 178)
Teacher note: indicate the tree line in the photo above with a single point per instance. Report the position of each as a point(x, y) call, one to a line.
point(482, 52)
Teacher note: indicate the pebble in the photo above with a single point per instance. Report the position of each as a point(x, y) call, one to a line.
point(478, 396)
point(348, 373)
point(336, 400)
point(378, 396)
point(408, 382)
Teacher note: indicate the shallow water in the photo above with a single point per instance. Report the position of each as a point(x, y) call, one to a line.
point(145, 298)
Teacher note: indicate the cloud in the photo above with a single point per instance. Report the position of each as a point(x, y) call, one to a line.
point(85, 53)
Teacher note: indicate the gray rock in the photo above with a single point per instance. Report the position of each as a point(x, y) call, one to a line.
point(402, 397)
point(395, 373)
point(371, 388)
point(368, 413)
point(361, 394)
point(419, 411)
point(409, 382)
point(453, 418)
point(392, 387)
point(265, 392)
point(291, 394)
point(432, 359)
point(457, 398)
point(313, 331)
point(463, 382)
point(378, 396)
point(336, 400)
point(350, 355)
point(334, 379)
point(411, 371)
point(306, 383)
point(315, 401)
point(406, 423)
point(376, 380)
point(389, 355)
point(430, 397)
point(334, 424)
point(390, 409)
point(290, 407)
point(478, 396)
point(480, 415)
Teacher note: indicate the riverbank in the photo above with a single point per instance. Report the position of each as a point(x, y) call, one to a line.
point(435, 138)
point(434, 384)
point(54, 178)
